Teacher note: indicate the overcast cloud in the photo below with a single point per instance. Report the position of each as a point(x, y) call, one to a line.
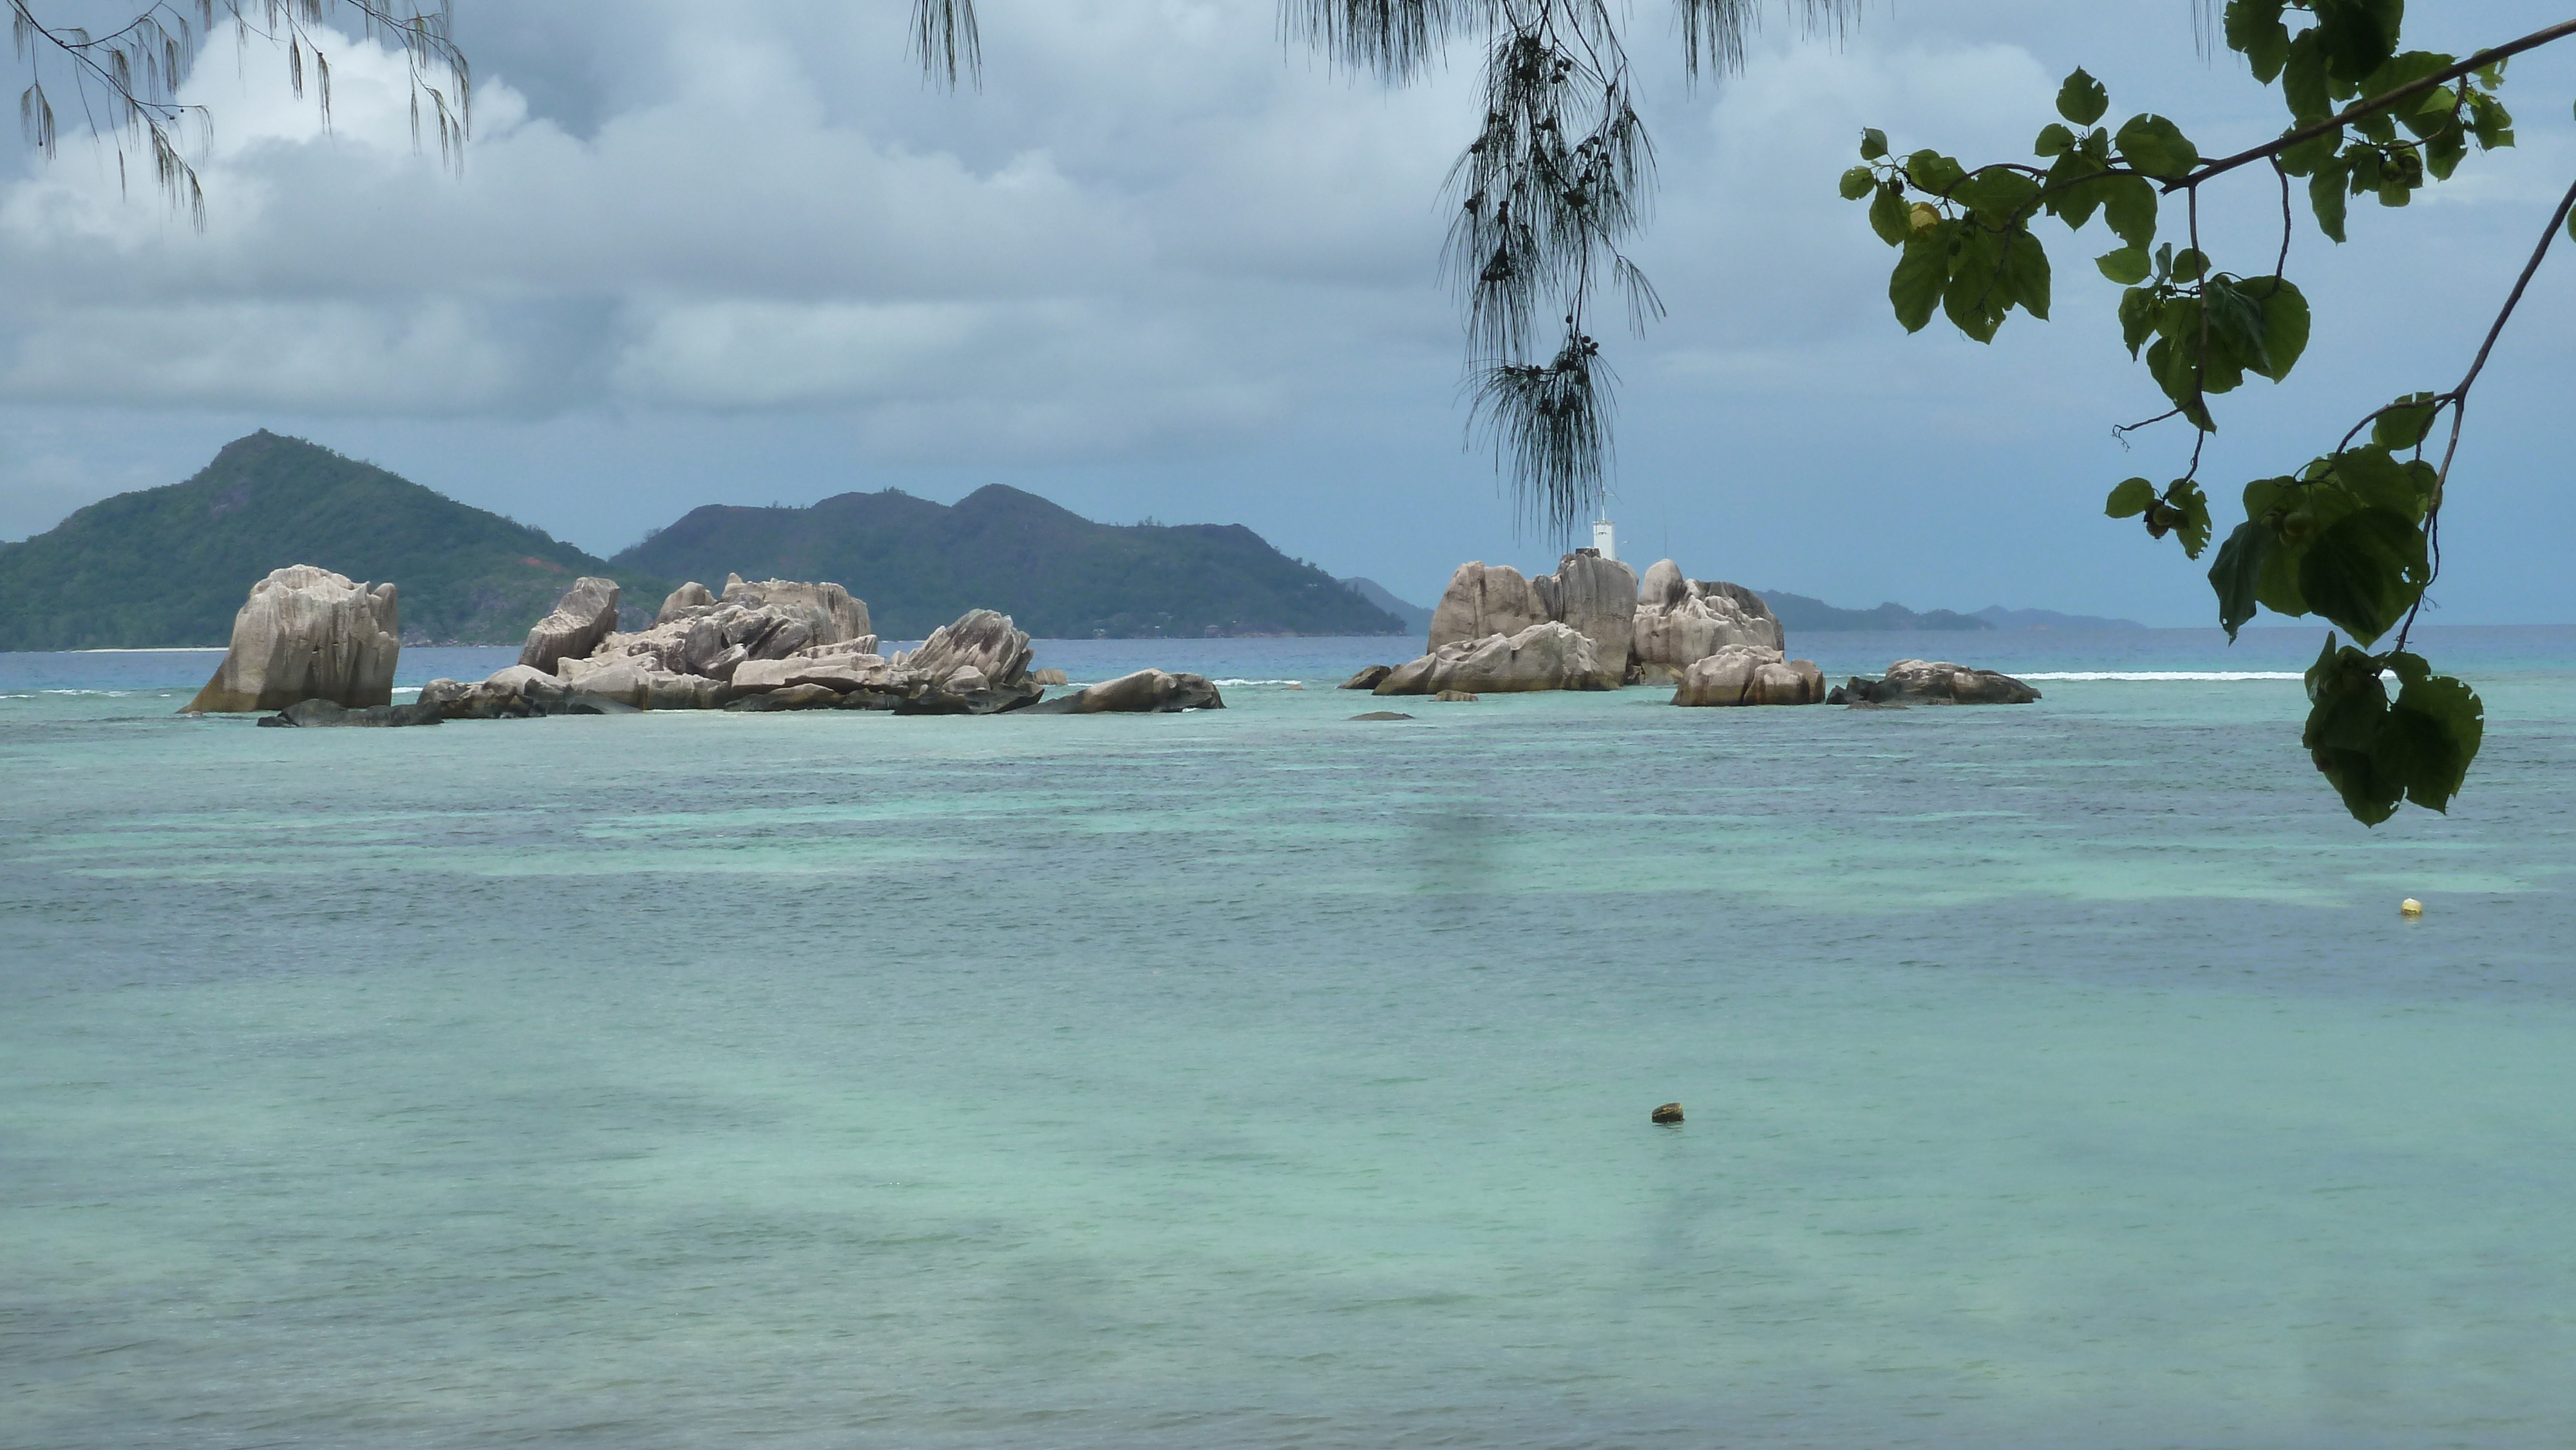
point(1160, 266)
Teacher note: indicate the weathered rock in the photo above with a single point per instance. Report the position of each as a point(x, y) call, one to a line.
point(1383, 715)
point(1482, 601)
point(522, 682)
point(827, 611)
point(1048, 677)
point(311, 714)
point(1668, 1113)
point(1934, 682)
point(664, 690)
point(306, 633)
point(794, 697)
point(1367, 679)
point(1456, 697)
point(689, 596)
point(1598, 597)
point(981, 640)
point(1544, 656)
point(1682, 621)
point(1750, 675)
point(1144, 692)
point(584, 616)
point(626, 681)
point(840, 672)
point(966, 702)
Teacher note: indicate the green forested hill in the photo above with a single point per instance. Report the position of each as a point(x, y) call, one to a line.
point(169, 566)
point(920, 564)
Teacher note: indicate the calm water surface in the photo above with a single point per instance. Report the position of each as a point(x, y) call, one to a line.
point(2057, 1076)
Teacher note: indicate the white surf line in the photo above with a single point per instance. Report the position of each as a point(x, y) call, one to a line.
point(2150, 676)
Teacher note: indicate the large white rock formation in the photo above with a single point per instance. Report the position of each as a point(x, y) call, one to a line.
point(581, 619)
point(1682, 621)
point(1543, 656)
point(1598, 598)
point(828, 612)
point(1741, 674)
point(307, 634)
point(1484, 600)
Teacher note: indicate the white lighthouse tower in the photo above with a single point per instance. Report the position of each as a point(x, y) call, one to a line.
point(1603, 538)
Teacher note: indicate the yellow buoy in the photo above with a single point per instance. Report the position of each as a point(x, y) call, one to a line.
point(2410, 907)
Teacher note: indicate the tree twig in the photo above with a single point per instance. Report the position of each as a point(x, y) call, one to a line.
point(2374, 104)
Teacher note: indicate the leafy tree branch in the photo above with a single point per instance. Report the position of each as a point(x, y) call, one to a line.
point(2354, 536)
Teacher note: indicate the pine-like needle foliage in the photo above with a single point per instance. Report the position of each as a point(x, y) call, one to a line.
point(1556, 182)
point(126, 81)
point(945, 40)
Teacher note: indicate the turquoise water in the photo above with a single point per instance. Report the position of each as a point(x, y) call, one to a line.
point(2057, 1076)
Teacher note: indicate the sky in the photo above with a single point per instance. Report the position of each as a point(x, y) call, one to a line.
point(1163, 265)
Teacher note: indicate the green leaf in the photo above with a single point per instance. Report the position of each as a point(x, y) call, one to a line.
point(2326, 198)
point(1978, 294)
point(2127, 266)
point(2025, 270)
point(2348, 708)
point(2237, 572)
point(2187, 513)
point(2285, 323)
point(2364, 571)
point(2405, 422)
point(2236, 325)
point(2082, 99)
point(1857, 183)
point(2433, 733)
point(2379, 481)
point(2129, 498)
point(1998, 197)
point(2129, 207)
point(2304, 157)
point(2138, 309)
point(2358, 36)
point(2157, 147)
point(1889, 216)
point(2189, 264)
point(2303, 80)
point(1873, 144)
point(1934, 172)
point(2255, 31)
point(1921, 274)
point(2054, 140)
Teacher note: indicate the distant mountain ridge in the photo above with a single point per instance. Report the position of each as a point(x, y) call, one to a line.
point(1798, 612)
point(171, 565)
point(1416, 618)
point(920, 564)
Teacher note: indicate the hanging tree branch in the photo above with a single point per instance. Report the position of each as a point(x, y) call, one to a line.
point(134, 74)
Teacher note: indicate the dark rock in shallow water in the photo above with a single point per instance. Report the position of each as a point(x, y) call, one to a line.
point(1668, 1113)
point(1367, 679)
point(985, 701)
point(311, 714)
point(1383, 715)
point(794, 697)
point(1933, 682)
point(1146, 692)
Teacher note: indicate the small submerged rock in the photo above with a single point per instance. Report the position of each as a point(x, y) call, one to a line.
point(1146, 692)
point(1933, 682)
point(1457, 697)
point(313, 714)
point(1668, 1113)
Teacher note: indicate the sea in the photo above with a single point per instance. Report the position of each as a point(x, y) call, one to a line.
point(2055, 1077)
